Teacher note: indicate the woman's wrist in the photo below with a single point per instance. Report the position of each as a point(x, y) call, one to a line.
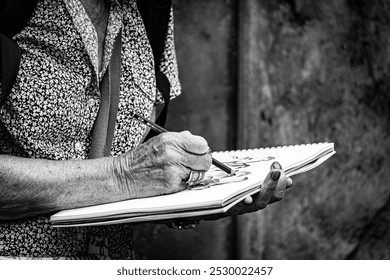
point(121, 172)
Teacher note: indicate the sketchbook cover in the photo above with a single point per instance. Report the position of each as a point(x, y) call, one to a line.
point(215, 194)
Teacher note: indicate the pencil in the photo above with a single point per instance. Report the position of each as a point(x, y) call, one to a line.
point(160, 129)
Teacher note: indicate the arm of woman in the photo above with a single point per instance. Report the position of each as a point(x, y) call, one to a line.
point(31, 187)
point(36, 186)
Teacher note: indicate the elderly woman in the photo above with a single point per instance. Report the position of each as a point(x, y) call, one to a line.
point(46, 125)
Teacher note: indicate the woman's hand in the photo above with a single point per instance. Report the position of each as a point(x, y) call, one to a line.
point(162, 164)
point(275, 185)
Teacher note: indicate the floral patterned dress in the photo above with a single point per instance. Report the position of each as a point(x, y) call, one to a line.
point(53, 104)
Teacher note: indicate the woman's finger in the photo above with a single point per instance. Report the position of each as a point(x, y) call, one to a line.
point(267, 190)
point(248, 200)
point(289, 183)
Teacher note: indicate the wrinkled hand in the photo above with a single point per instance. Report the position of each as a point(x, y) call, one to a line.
point(162, 164)
point(275, 185)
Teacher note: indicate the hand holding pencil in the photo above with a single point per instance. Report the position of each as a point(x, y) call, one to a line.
point(171, 161)
point(160, 129)
point(167, 163)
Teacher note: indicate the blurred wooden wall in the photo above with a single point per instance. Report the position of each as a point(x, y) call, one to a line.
point(275, 72)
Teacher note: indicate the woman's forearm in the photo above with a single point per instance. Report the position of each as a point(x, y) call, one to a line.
point(30, 187)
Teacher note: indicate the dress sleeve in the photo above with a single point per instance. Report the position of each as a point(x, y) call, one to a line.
point(168, 64)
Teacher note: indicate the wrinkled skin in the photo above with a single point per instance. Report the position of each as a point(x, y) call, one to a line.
point(162, 165)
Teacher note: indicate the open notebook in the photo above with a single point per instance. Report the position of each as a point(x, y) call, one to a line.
point(217, 193)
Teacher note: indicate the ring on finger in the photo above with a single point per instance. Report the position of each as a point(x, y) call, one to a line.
point(195, 177)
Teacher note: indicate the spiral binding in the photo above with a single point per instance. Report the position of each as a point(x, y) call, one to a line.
point(270, 148)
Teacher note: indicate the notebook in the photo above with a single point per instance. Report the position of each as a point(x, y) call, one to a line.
point(215, 194)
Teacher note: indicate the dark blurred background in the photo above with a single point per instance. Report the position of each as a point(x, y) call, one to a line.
point(276, 72)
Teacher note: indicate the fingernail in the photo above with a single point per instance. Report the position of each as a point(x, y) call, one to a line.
point(276, 165)
point(275, 175)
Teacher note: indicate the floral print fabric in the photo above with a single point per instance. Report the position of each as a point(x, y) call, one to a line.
point(53, 104)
